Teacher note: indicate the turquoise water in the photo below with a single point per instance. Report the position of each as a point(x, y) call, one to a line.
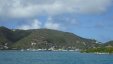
point(18, 57)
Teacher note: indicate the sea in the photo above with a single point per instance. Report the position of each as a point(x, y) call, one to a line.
point(53, 57)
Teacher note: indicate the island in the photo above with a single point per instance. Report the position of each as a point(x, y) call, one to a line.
point(49, 40)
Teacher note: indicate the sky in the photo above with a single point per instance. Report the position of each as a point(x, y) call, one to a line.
point(86, 18)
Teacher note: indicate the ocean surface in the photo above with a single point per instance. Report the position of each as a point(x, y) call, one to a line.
point(49, 57)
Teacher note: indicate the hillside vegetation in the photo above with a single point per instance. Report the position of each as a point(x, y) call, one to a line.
point(45, 39)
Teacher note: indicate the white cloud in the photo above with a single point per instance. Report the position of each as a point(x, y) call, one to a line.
point(36, 24)
point(71, 21)
point(31, 8)
point(52, 25)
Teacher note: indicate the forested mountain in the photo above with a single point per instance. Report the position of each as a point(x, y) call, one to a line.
point(105, 48)
point(46, 38)
point(8, 37)
point(43, 39)
point(5, 37)
point(110, 43)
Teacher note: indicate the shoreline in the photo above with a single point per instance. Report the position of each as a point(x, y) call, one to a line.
point(97, 53)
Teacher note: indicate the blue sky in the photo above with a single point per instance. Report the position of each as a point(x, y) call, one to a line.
point(86, 18)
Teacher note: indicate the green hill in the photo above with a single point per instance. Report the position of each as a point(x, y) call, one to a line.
point(5, 37)
point(109, 43)
point(46, 38)
point(103, 48)
point(43, 39)
point(9, 37)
